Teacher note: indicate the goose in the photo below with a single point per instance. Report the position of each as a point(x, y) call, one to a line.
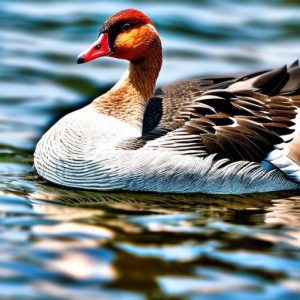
point(221, 135)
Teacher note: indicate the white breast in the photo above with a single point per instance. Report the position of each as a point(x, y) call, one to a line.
point(78, 144)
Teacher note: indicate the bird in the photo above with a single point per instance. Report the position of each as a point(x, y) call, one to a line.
point(232, 134)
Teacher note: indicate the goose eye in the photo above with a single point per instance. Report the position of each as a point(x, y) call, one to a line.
point(126, 27)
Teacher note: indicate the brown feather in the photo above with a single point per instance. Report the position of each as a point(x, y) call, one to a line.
point(198, 117)
point(294, 149)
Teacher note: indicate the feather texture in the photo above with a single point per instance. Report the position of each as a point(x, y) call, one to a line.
point(233, 134)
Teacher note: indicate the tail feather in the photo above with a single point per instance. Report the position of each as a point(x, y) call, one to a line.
point(294, 64)
point(284, 81)
point(292, 87)
point(269, 82)
point(272, 82)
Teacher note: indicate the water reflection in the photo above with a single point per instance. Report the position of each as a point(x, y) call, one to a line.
point(91, 244)
point(207, 246)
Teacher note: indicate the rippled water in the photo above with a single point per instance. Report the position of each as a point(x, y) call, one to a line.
point(67, 244)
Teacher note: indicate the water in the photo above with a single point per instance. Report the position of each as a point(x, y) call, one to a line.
point(66, 244)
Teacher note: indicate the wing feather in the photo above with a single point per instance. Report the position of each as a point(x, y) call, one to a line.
point(234, 118)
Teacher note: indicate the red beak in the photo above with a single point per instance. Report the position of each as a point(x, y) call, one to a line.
point(98, 49)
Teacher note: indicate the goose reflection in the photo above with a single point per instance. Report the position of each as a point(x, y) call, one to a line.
point(101, 236)
point(270, 208)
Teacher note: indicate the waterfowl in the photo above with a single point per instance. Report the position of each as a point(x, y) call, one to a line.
point(212, 135)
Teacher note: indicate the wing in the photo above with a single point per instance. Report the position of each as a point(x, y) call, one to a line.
point(248, 118)
point(171, 99)
point(162, 114)
point(163, 110)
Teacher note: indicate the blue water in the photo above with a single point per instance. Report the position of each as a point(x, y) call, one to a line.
point(66, 244)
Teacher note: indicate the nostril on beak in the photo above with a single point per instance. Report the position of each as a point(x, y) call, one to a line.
point(80, 60)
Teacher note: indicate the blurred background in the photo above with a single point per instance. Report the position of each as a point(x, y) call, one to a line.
point(64, 244)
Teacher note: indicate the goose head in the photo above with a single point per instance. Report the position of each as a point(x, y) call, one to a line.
point(128, 34)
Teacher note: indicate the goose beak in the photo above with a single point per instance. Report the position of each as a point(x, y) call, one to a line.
point(98, 49)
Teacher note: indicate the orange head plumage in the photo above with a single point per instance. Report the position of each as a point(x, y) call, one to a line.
point(127, 34)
